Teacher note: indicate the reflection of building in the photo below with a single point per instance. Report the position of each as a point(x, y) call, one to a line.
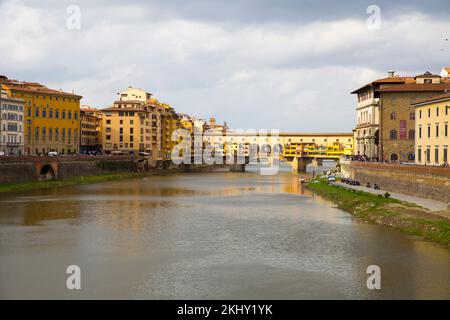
point(11, 125)
point(432, 128)
point(386, 117)
point(51, 117)
point(90, 126)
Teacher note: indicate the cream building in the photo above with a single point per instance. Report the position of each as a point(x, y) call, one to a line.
point(432, 127)
point(11, 125)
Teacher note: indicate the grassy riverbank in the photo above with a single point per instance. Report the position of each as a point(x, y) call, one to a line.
point(388, 212)
point(8, 187)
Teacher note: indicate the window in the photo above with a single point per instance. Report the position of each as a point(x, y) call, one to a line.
point(436, 155)
point(393, 135)
point(437, 111)
point(446, 130)
point(437, 130)
point(419, 154)
point(420, 131)
point(108, 121)
point(445, 154)
point(429, 113)
point(427, 152)
point(429, 131)
point(412, 116)
point(393, 116)
point(420, 114)
point(394, 157)
point(108, 137)
point(411, 134)
point(36, 113)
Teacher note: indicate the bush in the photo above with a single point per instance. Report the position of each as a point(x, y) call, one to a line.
point(387, 195)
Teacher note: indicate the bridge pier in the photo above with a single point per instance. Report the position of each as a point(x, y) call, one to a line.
point(318, 162)
point(235, 167)
point(299, 164)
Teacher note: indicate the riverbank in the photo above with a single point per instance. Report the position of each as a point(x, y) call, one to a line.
point(21, 186)
point(388, 212)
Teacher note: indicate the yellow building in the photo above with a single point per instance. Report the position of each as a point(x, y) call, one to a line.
point(432, 127)
point(51, 117)
point(127, 128)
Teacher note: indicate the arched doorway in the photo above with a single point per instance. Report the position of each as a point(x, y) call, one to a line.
point(394, 157)
point(46, 173)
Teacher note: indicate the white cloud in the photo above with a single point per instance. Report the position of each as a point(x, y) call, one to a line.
point(291, 76)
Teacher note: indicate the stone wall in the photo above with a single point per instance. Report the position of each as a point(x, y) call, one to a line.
point(25, 169)
point(421, 181)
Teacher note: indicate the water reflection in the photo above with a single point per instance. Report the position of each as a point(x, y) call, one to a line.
point(216, 235)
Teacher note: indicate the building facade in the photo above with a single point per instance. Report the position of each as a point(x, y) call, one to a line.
point(432, 127)
point(51, 117)
point(91, 130)
point(127, 128)
point(386, 116)
point(11, 125)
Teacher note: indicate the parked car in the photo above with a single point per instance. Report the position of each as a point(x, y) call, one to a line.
point(331, 178)
point(52, 153)
point(2, 153)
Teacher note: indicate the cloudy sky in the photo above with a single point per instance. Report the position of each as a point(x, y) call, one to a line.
point(283, 64)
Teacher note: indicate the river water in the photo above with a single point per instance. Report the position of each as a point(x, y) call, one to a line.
point(205, 236)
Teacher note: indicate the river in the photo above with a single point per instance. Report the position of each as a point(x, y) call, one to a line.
point(205, 236)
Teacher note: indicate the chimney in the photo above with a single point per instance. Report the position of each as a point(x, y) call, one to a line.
point(391, 73)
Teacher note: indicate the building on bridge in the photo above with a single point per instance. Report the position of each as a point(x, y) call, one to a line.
point(11, 125)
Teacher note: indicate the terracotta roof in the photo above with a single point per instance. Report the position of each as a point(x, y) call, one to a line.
point(445, 96)
point(413, 87)
point(123, 109)
point(389, 80)
point(34, 87)
point(427, 74)
point(128, 102)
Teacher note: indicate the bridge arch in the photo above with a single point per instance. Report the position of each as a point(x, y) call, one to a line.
point(47, 173)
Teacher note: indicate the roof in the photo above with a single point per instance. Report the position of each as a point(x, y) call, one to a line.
point(415, 87)
point(123, 109)
point(34, 87)
point(389, 80)
point(128, 102)
point(427, 74)
point(443, 97)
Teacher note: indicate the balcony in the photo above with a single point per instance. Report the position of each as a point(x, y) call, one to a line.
point(12, 144)
point(368, 102)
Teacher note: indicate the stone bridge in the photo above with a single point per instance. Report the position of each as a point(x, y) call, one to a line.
point(36, 168)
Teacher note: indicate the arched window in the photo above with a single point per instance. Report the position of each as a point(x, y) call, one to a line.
point(394, 157)
point(393, 116)
point(412, 116)
point(410, 156)
point(393, 135)
point(411, 134)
